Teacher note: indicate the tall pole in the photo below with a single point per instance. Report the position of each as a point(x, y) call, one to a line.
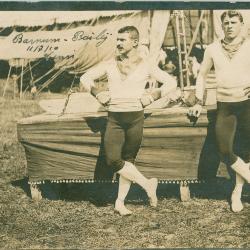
point(177, 23)
point(21, 87)
point(7, 81)
point(185, 51)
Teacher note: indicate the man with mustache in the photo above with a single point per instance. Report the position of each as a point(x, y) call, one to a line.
point(127, 76)
point(231, 59)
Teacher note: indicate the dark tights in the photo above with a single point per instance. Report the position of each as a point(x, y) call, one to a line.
point(231, 116)
point(123, 138)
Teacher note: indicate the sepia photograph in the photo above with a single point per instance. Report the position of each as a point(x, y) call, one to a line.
point(124, 125)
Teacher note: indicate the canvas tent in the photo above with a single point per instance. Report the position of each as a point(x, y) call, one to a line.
point(81, 39)
point(79, 48)
point(98, 36)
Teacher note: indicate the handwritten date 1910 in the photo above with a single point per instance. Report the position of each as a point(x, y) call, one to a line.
point(42, 48)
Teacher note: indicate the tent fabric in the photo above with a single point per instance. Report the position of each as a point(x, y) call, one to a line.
point(71, 147)
point(33, 18)
point(77, 49)
point(92, 55)
point(159, 24)
point(38, 44)
point(153, 33)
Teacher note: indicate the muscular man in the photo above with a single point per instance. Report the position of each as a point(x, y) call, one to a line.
point(231, 59)
point(127, 77)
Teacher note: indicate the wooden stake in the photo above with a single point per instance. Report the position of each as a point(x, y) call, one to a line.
point(6, 83)
point(21, 87)
point(36, 193)
point(184, 192)
point(15, 87)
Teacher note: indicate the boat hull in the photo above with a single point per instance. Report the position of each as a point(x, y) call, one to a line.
point(70, 147)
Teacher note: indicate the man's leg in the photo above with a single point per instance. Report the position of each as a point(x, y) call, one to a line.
point(225, 129)
point(243, 117)
point(114, 139)
point(244, 127)
point(133, 138)
point(113, 142)
point(236, 203)
point(123, 189)
point(129, 171)
point(225, 132)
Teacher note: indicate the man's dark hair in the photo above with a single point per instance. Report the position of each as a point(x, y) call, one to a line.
point(132, 30)
point(231, 13)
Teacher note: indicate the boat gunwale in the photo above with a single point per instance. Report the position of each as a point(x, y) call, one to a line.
point(47, 118)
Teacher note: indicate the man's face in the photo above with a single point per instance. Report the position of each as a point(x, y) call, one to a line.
point(124, 43)
point(231, 27)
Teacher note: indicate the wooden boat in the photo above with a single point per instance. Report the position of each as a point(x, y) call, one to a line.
point(69, 147)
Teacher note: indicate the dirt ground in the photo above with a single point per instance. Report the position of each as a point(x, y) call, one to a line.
point(82, 215)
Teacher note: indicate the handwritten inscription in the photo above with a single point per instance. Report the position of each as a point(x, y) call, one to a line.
point(20, 39)
point(42, 48)
point(100, 37)
point(53, 47)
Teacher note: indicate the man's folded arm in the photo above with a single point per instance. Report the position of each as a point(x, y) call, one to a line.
point(168, 81)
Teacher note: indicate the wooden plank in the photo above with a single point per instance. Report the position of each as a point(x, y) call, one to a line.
point(35, 139)
point(46, 118)
point(84, 149)
point(171, 142)
point(174, 132)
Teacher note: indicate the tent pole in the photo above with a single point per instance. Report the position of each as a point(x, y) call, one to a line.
point(200, 32)
point(14, 89)
point(7, 80)
point(212, 24)
point(15, 85)
point(177, 25)
point(196, 32)
point(32, 79)
point(21, 87)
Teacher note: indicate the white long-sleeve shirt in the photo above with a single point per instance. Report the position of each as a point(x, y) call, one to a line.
point(233, 75)
point(126, 92)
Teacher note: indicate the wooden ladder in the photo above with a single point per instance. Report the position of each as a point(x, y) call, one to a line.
point(179, 17)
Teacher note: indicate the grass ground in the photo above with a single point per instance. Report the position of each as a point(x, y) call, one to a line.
point(79, 220)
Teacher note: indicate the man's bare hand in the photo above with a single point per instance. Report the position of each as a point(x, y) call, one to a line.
point(195, 111)
point(103, 97)
point(145, 100)
point(156, 93)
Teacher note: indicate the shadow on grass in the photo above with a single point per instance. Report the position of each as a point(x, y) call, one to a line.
point(23, 184)
point(102, 194)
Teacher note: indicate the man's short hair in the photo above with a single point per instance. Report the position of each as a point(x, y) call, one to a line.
point(231, 13)
point(132, 30)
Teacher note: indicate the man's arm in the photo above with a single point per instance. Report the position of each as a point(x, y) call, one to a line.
point(206, 65)
point(87, 79)
point(168, 81)
point(169, 84)
point(87, 82)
